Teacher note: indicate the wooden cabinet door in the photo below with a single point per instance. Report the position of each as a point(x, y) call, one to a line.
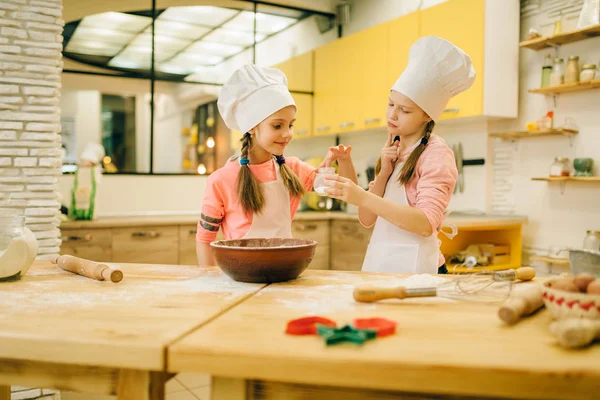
point(349, 241)
point(146, 245)
point(326, 95)
point(318, 231)
point(91, 244)
point(461, 22)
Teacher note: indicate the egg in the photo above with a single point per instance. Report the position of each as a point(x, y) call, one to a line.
point(565, 284)
point(594, 287)
point(582, 281)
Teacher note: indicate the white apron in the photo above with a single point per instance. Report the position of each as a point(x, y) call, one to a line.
point(274, 221)
point(393, 249)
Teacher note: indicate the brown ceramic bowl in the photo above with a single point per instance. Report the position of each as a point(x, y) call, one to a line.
point(263, 260)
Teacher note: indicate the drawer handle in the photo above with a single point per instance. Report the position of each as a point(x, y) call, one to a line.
point(372, 120)
point(151, 234)
point(451, 110)
point(77, 238)
point(324, 128)
point(193, 231)
point(349, 229)
point(346, 124)
point(306, 227)
point(302, 131)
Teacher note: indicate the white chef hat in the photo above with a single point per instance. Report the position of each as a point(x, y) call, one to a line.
point(251, 94)
point(437, 71)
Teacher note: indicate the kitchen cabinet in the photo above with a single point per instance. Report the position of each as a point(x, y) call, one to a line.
point(403, 32)
point(299, 72)
point(492, 43)
point(447, 20)
point(93, 244)
point(150, 244)
point(326, 95)
point(187, 244)
point(349, 242)
point(318, 231)
point(303, 127)
point(353, 74)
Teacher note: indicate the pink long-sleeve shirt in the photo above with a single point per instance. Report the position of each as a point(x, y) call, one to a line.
point(221, 206)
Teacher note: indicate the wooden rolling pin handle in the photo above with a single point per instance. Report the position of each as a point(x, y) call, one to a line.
point(520, 305)
point(525, 273)
point(575, 332)
point(369, 294)
point(87, 268)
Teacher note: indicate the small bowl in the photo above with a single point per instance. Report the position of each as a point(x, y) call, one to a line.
point(263, 260)
point(564, 304)
point(585, 261)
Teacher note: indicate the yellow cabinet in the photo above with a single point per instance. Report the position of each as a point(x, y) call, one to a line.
point(372, 76)
point(304, 116)
point(403, 32)
point(326, 95)
point(461, 22)
point(299, 72)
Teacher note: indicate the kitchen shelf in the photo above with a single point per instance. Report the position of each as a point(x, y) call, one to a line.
point(528, 134)
point(550, 260)
point(569, 178)
point(562, 38)
point(567, 87)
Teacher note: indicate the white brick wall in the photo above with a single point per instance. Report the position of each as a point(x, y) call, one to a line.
point(30, 151)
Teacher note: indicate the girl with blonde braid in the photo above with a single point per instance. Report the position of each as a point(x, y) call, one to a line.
point(257, 193)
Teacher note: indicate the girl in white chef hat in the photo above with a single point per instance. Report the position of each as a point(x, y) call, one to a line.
point(257, 193)
point(416, 174)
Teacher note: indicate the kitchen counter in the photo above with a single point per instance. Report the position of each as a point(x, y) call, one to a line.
point(70, 332)
point(63, 330)
point(442, 347)
point(462, 221)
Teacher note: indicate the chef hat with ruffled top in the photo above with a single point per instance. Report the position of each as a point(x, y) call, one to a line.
point(251, 94)
point(437, 71)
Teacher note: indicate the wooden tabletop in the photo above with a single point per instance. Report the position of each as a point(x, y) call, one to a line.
point(442, 345)
point(51, 315)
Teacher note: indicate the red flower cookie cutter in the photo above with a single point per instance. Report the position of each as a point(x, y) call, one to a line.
point(307, 325)
point(384, 327)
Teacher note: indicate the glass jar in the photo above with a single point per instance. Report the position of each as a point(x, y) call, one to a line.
point(572, 72)
point(320, 183)
point(546, 71)
point(560, 167)
point(18, 248)
point(588, 73)
point(592, 240)
point(558, 73)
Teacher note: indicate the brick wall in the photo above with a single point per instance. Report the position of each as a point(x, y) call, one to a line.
point(30, 150)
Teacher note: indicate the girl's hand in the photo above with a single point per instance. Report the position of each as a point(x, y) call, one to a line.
point(389, 155)
point(344, 189)
point(339, 152)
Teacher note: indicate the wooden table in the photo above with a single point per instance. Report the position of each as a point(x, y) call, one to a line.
point(68, 332)
point(442, 348)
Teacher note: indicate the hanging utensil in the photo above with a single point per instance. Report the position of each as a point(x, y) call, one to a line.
point(459, 161)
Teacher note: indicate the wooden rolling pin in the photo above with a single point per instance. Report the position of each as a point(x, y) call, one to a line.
point(574, 333)
point(87, 268)
point(521, 304)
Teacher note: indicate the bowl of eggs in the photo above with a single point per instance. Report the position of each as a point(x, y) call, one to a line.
point(575, 296)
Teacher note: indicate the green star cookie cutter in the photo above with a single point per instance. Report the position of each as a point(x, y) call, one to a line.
point(346, 333)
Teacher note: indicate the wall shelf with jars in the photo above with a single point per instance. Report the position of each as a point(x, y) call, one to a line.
point(567, 87)
point(544, 42)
